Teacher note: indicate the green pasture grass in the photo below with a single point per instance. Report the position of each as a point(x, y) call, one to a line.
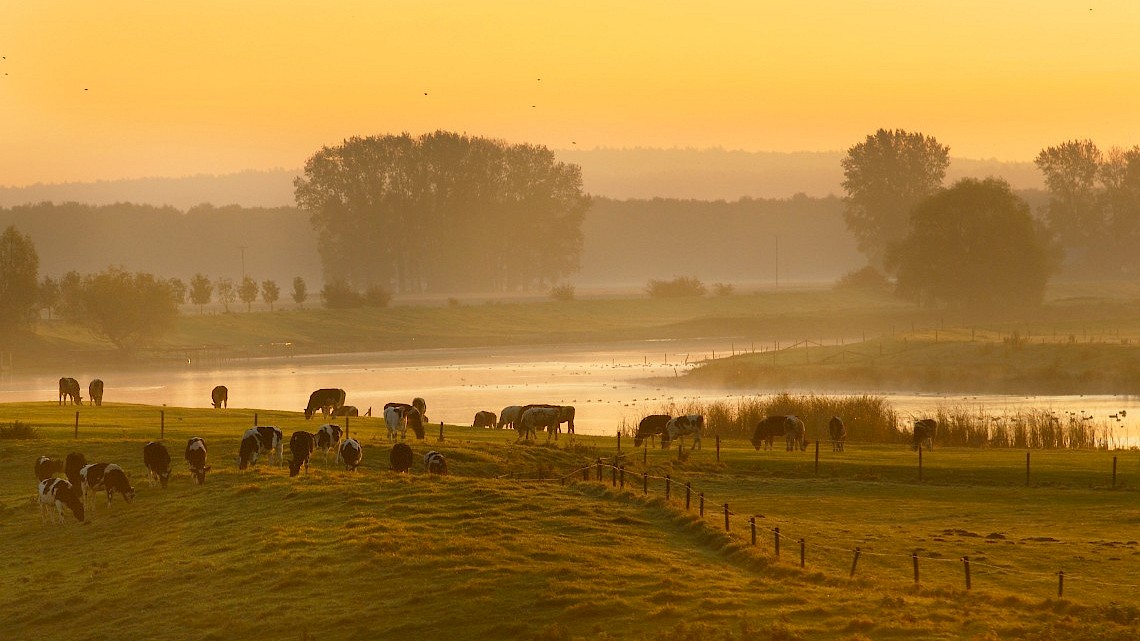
point(493, 552)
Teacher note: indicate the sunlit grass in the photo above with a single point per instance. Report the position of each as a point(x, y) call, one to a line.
point(492, 552)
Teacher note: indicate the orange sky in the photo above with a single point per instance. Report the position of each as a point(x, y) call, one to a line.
point(131, 88)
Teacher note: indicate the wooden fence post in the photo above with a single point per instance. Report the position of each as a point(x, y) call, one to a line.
point(726, 517)
point(688, 494)
point(752, 522)
point(613, 475)
point(966, 565)
point(161, 423)
point(817, 457)
point(619, 440)
point(255, 419)
point(776, 535)
point(855, 562)
point(622, 477)
point(803, 553)
point(718, 448)
point(599, 470)
point(440, 430)
point(645, 483)
point(702, 497)
point(1061, 584)
point(346, 427)
point(645, 453)
point(914, 562)
point(76, 424)
point(586, 473)
point(667, 484)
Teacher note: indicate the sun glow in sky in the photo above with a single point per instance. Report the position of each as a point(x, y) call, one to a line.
point(133, 88)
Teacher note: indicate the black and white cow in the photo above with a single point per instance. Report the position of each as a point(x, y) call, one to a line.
point(838, 433)
point(767, 430)
point(350, 453)
point(689, 424)
point(156, 458)
point(69, 390)
point(220, 396)
point(399, 417)
point(196, 458)
point(650, 426)
point(795, 434)
point(47, 467)
point(484, 418)
point(328, 438)
point(71, 466)
point(95, 391)
point(326, 400)
point(435, 463)
point(924, 432)
point(105, 477)
point(509, 416)
point(249, 448)
point(57, 493)
point(301, 446)
point(270, 443)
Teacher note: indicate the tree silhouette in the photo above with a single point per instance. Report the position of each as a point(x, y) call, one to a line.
point(247, 292)
point(19, 279)
point(201, 290)
point(270, 292)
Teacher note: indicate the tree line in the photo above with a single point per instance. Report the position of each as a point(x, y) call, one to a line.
point(977, 242)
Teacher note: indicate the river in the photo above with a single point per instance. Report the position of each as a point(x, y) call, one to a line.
point(606, 383)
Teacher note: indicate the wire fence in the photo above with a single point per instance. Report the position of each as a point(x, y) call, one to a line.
point(808, 546)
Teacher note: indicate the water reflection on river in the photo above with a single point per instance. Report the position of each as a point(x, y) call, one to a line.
point(605, 382)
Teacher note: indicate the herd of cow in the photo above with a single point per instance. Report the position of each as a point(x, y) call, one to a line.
point(77, 491)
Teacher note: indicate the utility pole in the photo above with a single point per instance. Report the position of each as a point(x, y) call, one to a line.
point(242, 248)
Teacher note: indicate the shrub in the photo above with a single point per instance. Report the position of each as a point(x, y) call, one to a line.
point(18, 430)
point(679, 287)
point(340, 295)
point(867, 278)
point(563, 292)
point(723, 289)
point(376, 296)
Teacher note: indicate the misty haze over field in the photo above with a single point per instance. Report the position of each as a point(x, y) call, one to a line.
point(720, 216)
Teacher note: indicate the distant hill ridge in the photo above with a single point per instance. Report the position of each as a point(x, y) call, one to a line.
point(698, 174)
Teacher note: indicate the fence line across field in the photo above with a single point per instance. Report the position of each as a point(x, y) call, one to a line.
point(584, 473)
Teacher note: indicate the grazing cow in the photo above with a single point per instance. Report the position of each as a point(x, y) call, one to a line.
point(271, 442)
point(345, 410)
point(509, 416)
point(434, 463)
point(484, 419)
point(301, 446)
point(795, 434)
point(767, 430)
point(536, 418)
point(249, 448)
point(649, 427)
point(157, 461)
point(220, 396)
point(924, 432)
point(350, 453)
point(328, 437)
point(565, 415)
point(421, 405)
point(400, 457)
point(693, 424)
point(57, 493)
point(838, 433)
point(106, 477)
point(71, 466)
point(47, 467)
point(326, 400)
point(196, 458)
point(69, 389)
point(95, 391)
point(400, 416)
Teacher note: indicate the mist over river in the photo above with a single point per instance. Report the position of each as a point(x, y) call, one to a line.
point(607, 383)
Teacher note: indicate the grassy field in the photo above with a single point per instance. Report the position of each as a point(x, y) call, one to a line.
point(493, 552)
